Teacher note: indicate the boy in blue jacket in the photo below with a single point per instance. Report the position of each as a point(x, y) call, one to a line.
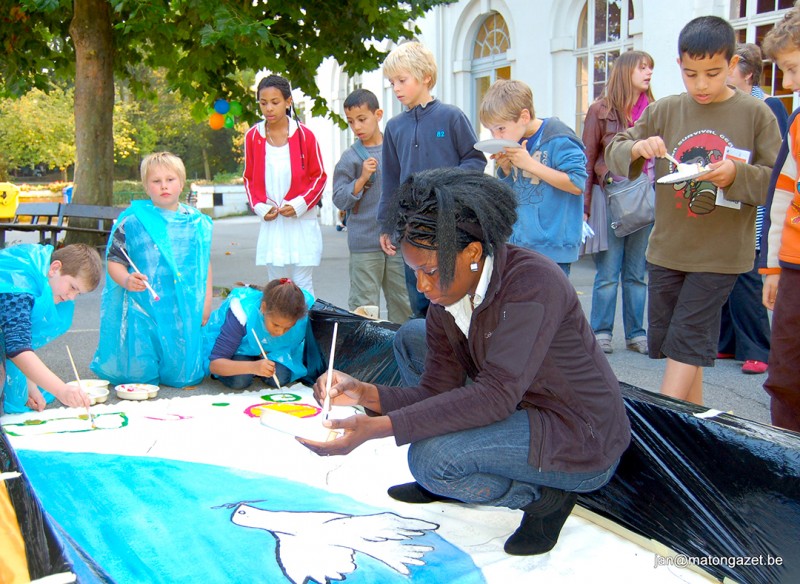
point(547, 172)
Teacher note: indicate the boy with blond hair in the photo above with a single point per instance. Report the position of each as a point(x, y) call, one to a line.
point(780, 240)
point(37, 290)
point(704, 230)
point(158, 287)
point(547, 172)
point(428, 134)
point(357, 190)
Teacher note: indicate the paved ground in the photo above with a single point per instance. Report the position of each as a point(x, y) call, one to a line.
point(233, 252)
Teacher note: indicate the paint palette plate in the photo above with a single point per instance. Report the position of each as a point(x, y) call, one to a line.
point(493, 145)
point(137, 391)
point(680, 176)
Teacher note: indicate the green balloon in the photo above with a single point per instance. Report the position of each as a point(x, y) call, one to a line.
point(236, 108)
point(229, 121)
point(209, 110)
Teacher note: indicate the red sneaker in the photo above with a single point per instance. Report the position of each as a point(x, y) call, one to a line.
point(725, 355)
point(754, 367)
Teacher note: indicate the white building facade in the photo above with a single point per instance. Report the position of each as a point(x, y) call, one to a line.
point(563, 49)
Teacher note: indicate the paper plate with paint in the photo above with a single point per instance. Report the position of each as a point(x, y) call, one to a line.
point(96, 389)
point(137, 391)
point(685, 172)
point(494, 145)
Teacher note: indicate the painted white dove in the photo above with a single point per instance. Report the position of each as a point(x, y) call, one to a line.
point(321, 546)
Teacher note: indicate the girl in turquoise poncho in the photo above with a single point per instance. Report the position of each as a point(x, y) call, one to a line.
point(150, 321)
point(278, 315)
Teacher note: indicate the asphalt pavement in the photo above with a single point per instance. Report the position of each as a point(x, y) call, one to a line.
point(233, 257)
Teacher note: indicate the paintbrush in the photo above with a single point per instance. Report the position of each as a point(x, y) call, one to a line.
point(264, 354)
point(135, 269)
point(80, 385)
point(326, 403)
point(672, 159)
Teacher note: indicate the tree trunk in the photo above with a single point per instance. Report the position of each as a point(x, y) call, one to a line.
point(91, 33)
point(206, 165)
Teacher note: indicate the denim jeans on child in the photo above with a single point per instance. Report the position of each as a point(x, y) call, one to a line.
point(625, 259)
point(244, 380)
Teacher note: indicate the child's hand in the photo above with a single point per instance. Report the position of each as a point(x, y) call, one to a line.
point(272, 214)
point(770, 292)
point(35, 398)
point(386, 245)
point(72, 396)
point(652, 147)
point(288, 211)
point(263, 368)
point(501, 159)
point(520, 157)
point(135, 282)
point(722, 174)
point(368, 167)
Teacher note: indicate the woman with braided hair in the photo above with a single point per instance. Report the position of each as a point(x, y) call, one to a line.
point(515, 404)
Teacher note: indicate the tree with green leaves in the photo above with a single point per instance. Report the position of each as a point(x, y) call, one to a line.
point(202, 45)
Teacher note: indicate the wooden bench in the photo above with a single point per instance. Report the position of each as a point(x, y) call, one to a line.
point(45, 218)
point(103, 218)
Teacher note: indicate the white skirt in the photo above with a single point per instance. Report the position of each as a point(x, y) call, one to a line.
point(290, 241)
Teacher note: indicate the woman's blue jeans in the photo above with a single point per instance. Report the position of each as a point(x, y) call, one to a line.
point(624, 259)
point(487, 465)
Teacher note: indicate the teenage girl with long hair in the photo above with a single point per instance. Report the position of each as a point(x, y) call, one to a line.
point(284, 179)
point(626, 96)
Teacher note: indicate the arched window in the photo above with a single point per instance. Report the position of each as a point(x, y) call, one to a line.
point(489, 62)
point(602, 36)
point(753, 19)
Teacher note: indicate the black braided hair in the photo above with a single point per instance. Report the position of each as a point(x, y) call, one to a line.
point(446, 209)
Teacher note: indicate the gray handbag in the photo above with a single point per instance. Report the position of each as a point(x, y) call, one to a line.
point(631, 204)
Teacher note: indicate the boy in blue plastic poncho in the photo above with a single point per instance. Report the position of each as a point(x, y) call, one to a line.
point(279, 317)
point(37, 289)
point(158, 287)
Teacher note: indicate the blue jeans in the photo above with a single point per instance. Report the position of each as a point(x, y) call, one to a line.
point(244, 380)
point(489, 466)
point(624, 258)
point(410, 351)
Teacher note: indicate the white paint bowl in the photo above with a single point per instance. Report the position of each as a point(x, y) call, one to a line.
point(96, 389)
point(136, 391)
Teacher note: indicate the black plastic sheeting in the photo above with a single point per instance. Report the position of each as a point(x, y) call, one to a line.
point(711, 489)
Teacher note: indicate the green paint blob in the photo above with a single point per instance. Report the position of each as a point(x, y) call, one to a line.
point(221, 404)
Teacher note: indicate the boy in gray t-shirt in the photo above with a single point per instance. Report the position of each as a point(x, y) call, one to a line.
point(357, 190)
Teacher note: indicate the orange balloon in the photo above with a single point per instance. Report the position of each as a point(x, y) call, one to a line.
point(216, 121)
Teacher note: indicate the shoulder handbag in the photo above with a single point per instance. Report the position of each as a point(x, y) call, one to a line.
point(631, 204)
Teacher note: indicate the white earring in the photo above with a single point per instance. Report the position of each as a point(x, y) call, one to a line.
point(473, 267)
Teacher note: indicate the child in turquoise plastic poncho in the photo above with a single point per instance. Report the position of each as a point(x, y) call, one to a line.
point(158, 287)
point(37, 289)
point(278, 315)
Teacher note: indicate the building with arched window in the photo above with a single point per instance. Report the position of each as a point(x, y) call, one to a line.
point(563, 49)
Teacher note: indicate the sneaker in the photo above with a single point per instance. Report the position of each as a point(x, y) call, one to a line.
point(725, 355)
point(638, 345)
point(541, 523)
point(605, 344)
point(752, 367)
